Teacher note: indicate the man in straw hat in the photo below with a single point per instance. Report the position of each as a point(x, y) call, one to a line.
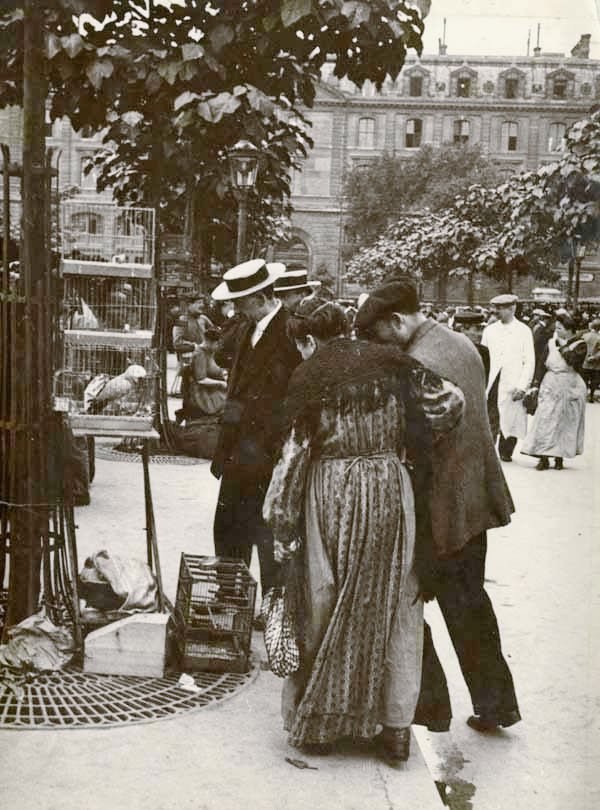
point(512, 364)
point(469, 496)
point(293, 286)
point(252, 421)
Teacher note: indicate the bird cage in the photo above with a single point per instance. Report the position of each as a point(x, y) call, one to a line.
point(107, 384)
point(106, 262)
point(95, 232)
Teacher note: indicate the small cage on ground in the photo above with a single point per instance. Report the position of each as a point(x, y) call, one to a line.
point(214, 611)
point(108, 383)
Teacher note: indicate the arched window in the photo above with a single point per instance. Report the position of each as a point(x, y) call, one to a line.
point(366, 133)
point(462, 130)
point(556, 133)
point(510, 136)
point(414, 132)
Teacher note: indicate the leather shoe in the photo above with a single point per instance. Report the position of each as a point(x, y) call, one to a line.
point(490, 722)
point(505, 458)
point(543, 463)
point(393, 745)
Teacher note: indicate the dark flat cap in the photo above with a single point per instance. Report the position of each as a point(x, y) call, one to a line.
point(399, 296)
point(469, 316)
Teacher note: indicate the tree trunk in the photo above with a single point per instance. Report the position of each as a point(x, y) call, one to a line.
point(471, 288)
point(442, 290)
point(28, 518)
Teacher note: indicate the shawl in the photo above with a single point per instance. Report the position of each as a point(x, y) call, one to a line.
point(343, 371)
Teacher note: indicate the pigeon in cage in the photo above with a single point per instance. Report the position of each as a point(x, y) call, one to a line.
point(104, 390)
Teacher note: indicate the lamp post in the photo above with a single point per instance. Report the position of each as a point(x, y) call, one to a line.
point(579, 252)
point(243, 165)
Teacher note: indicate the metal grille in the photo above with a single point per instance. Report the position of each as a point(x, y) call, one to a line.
point(94, 231)
point(73, 699)
point(112, 454)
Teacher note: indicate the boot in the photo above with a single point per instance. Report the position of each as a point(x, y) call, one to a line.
point(558, 463)
point(393, 745)
point(543, 463)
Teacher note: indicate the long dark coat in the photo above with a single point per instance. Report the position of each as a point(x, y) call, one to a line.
point(470, 493)
point(253, 421)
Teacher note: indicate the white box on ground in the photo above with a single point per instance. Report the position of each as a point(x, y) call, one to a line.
point(136, 645)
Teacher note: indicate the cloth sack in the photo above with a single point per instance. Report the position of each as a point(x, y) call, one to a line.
point(280, 633)
point(132, 582)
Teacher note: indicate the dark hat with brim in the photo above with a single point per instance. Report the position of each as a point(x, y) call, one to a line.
point(469, 317)
point(246, 279)
point(295, 281)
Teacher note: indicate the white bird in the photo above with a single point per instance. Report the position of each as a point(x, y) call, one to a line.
point(103, 390)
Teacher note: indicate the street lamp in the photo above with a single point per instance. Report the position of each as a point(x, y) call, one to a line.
point(579, 254)
point(243, 165)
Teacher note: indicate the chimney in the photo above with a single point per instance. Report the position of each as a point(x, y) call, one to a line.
point(537, 50)
point(582, 49)
point(442, 48)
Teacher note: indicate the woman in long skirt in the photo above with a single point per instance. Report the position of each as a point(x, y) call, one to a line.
point(557, 429)
point(342, 485)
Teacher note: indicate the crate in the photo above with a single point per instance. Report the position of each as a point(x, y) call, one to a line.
point(214, 611)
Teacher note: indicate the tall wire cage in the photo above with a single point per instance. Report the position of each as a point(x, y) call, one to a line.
point(109, 377)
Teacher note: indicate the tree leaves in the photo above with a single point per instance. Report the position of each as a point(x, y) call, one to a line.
point(98, 71)
point(294, 10)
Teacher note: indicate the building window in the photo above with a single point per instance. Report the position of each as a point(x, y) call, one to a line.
point(462, 130)
point(86, 222)
point(511, 87)
point(415, 86)
point(366, 133)
point(463, 87)
point(510, 132)
point(88, 180)
point(556, 133)
point(559, 88)
point(414, 131)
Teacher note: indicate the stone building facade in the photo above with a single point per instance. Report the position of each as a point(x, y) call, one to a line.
point(517, 109)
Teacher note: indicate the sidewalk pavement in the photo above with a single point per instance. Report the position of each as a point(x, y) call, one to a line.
point(223, 757)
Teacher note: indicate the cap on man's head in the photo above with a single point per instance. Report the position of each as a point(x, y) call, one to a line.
point(392, 296)
point(247, 278)
point(295, 281)
point(541, 312)
point(504, 300)
point(469, 317)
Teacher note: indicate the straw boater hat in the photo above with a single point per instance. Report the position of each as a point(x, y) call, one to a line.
point(294, 280)
point(247, 278)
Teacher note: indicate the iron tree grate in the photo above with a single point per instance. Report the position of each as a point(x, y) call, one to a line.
point(112, 454)
point(73, 699)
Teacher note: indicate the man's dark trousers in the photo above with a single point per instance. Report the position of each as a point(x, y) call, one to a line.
point(239, 525)
point(473, 629)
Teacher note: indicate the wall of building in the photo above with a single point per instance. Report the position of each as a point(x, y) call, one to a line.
point(529, 100)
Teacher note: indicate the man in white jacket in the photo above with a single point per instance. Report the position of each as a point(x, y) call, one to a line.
point(512, 363)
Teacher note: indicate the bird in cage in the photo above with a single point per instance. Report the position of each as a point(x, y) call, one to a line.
point(104, 391)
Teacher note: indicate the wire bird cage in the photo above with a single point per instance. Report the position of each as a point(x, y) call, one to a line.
point(109, 303)
point(214, 611)
point(103, 233)
point(107, 385)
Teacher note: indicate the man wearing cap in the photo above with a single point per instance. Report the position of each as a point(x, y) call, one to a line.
point(512, 364)
point(252, 422)
point(293, 286)
point(469, 497)
point(470, 323)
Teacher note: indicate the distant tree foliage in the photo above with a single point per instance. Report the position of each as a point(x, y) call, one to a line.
point(377, 194)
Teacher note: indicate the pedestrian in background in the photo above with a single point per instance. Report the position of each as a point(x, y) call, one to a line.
point(293, 286)
point(558, 425)
point(469, 496)
point(591, 364)
point(512, 363)
point(253, 419)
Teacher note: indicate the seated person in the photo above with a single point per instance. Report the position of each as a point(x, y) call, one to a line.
point(204, 385)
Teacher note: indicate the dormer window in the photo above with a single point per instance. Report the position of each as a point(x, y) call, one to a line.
point(463, 87)
point(559, 88)
point(511, 88)
point(415, 86)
